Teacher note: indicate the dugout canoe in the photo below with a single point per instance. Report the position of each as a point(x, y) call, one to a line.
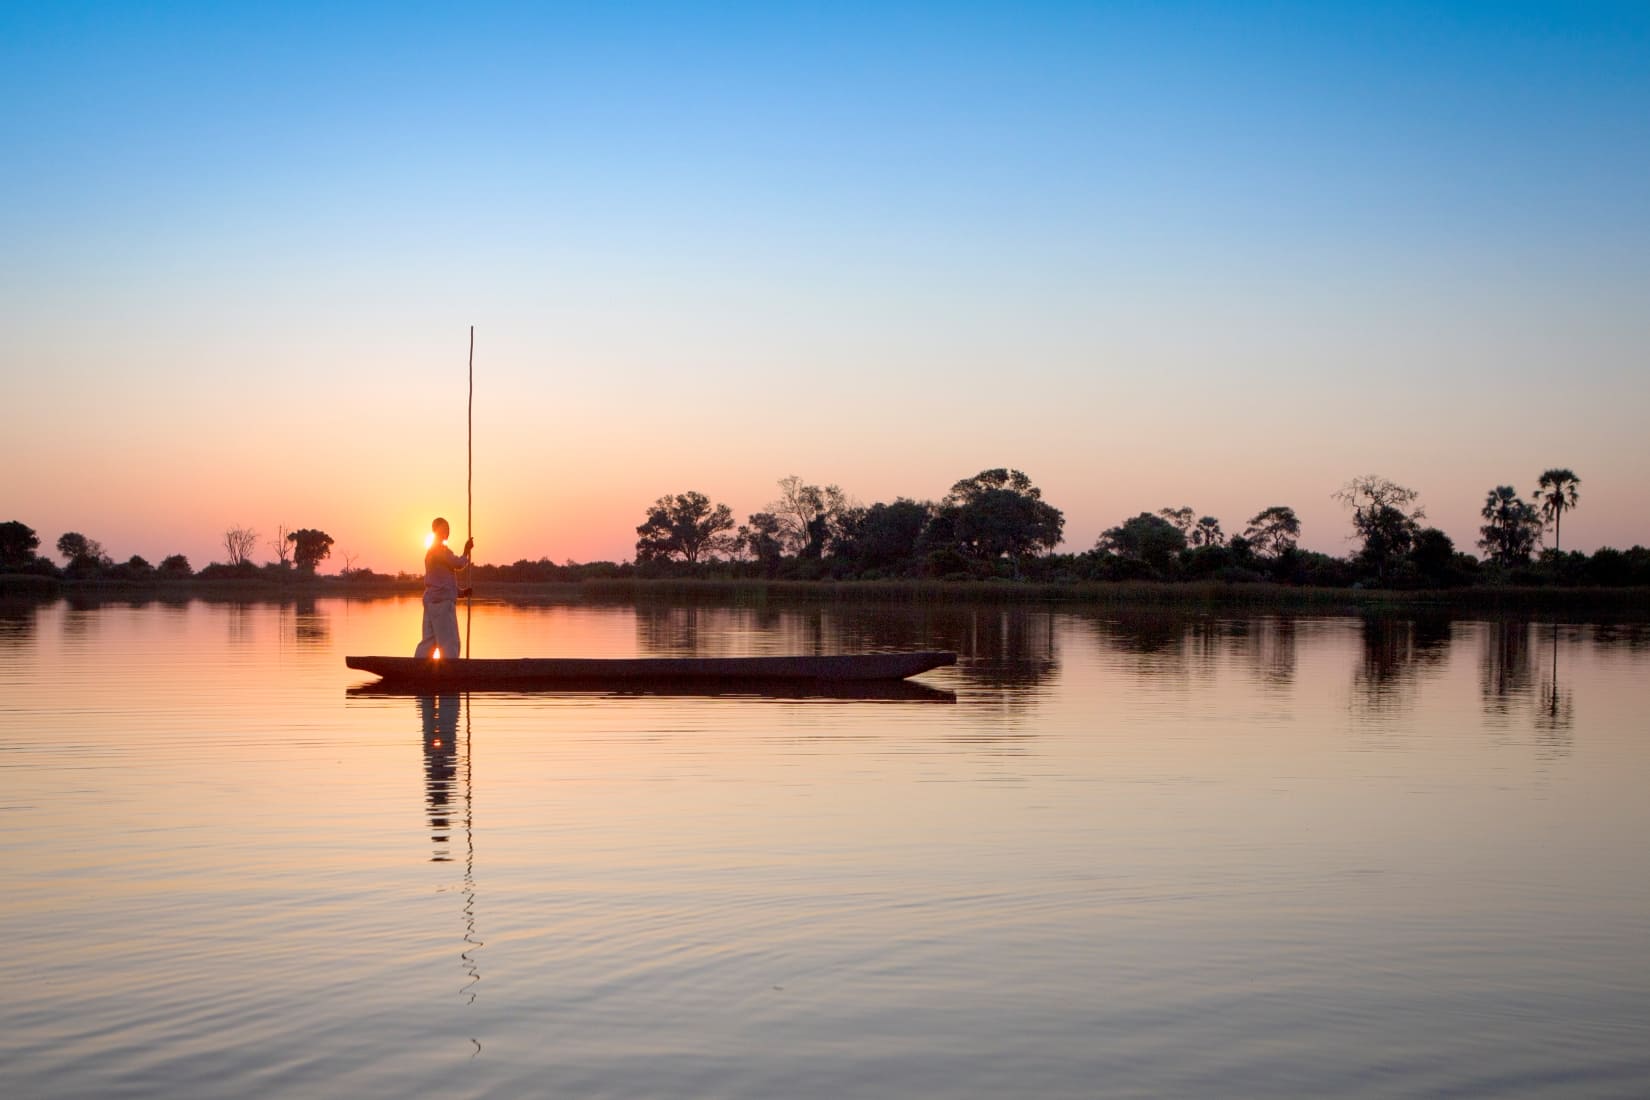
point(485, 672)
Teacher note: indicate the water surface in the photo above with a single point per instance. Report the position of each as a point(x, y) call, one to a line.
point(1105, 855)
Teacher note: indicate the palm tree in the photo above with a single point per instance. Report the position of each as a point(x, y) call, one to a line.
point(1512, 528)
point(1559, 489)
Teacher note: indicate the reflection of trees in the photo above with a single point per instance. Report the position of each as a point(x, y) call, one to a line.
point(999, 647)
point(299, 619)
point(1555, 707)
point(1505, 668)
point(667, 631)
point(688, 630)
point(1171, 643)
point(1158, 642)
point(1395, 654)
point(80, 617)
point(1508, 678)
point(1148, 633)
point(19, 620)
point(1630, 636)
point(1269, 645)
point(241, 617)
point(311, 626)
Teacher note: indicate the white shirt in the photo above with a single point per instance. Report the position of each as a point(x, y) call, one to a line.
point(441, 568)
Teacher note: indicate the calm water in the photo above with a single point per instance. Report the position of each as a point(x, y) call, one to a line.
point(1103, 856)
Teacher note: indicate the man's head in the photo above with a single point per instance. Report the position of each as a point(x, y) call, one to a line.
point(441, 529)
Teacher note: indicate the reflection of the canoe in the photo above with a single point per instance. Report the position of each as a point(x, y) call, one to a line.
point(875, 691)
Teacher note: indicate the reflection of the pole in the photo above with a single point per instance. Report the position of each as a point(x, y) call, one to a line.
point(468, 954)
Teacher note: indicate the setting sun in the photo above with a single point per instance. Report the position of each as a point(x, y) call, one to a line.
point(429, 539)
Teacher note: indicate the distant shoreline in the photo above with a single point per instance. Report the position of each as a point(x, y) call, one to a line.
point(1191, 596)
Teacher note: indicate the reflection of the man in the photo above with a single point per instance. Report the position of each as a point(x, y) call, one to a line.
point(445, 786)
point(439, 715)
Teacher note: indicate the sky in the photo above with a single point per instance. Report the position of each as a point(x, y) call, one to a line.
point(1222, 255)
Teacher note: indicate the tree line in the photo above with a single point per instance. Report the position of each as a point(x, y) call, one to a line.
point(994, 525)
point(297, 552)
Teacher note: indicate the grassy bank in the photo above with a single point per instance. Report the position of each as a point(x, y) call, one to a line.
point(1192, 597)
point(24, 586)
point(1626, 602)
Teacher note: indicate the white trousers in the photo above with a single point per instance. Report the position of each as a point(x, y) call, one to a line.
point(440, 629)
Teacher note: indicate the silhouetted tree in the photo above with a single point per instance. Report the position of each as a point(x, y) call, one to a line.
point(1559, 491)
point(1181, 517)
point(1208, 532)
point(1273, 531)
point(809, 516)
point(1385, 516)
point(176, 566)
point(1145, 538)
point(999, 513)
point(18, 542)
point(309, 547)
point(762, 539)
point(685, 525)
point(239, 543)
point(279, 544)
point(76, 547)
point(1432, 553)
point(885, 537)
point(1512, 527)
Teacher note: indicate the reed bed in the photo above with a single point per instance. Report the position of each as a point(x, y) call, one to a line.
point(1194, 596)
point(1633, 603)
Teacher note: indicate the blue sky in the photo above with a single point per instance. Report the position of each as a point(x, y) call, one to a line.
point(1228, 255)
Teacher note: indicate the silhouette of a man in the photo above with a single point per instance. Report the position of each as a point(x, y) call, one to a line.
point(441, 593)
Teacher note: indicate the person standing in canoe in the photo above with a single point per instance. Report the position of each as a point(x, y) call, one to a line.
point(441, 593)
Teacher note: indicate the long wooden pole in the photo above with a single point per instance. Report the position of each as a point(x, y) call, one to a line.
point(469, 488)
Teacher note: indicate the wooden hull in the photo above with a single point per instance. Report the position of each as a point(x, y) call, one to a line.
point(556, 671)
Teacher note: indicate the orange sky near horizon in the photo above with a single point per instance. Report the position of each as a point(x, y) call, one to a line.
point(566, 470)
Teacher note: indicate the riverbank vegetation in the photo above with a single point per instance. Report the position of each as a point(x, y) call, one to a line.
point(993, 536)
